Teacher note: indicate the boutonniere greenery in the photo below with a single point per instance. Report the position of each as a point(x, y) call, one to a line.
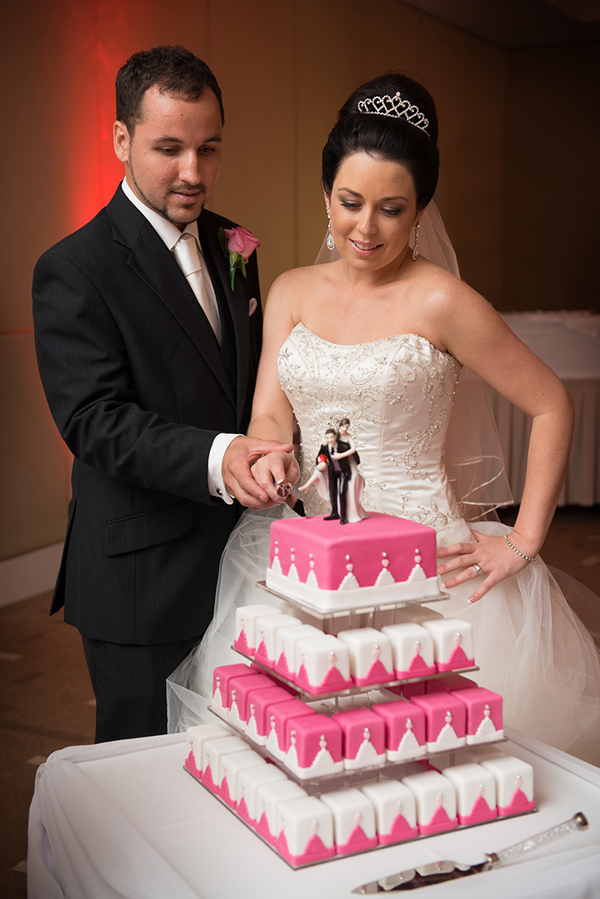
point(238, 245)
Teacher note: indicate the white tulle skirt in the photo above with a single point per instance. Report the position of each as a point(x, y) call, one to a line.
point(529, 645)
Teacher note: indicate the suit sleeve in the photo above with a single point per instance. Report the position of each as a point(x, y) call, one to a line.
point(85, 372)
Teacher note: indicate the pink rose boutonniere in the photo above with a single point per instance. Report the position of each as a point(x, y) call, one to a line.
point(238, 245)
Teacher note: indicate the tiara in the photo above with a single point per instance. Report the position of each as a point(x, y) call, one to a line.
point(394, 108)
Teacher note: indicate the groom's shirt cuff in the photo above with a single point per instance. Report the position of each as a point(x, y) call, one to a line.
point(216, 484)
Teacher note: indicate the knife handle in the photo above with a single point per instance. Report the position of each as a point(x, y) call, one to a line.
point(577, 822)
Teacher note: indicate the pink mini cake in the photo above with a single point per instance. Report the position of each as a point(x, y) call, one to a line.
point(268, 797)
point(445, 720)
point(196, 738)
point(285, 649)
point(453, 642)
point(514, 784)
point(240, 688)
point(222, 677)
point(364, 738)
point(436, 801)
point(266, 628)
point(370, 656)
point(248, 782)
point(246, 635)
point(404, 730)
point(353, 820)
point(259, 704)
point(212, 752)
point(475, 792)
point(231, 764)
point(450, 684)
point(328, 566)
point(306, 834)
point(484, 714)
point(395, 811)
point(278, 741)
point(322, 664)
point(315, 746)
point(412, 646)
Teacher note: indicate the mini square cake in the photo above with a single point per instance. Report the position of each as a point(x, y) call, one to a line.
point(445, 720)
point(453, 642)
point(266, 628)
point(370, 656)
point(280, 714)
point(231, 764)
point(268, 797)
point(246, 635)
point(285, 647)
point(412, 646)
point(364, 738)
point(248, 782)
point(514, 784)
point(328, 566)
point(404, 730)
point(395, 811)
point(212, 751)
point(484, 714)
point(259, 703)
point(240, 688)
point(222, 677)
point(475, 792)
point(315, 746)
point(353, 820)
point(322, 664)
point(306, 833)
point(196, 738)
point(436, 801)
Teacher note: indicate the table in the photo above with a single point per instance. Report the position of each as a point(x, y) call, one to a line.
point(569, 343)
point(124, 820)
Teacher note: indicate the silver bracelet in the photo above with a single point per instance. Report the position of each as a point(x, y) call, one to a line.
point(514, 548)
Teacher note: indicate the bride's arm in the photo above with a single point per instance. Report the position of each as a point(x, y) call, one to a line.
point(479, 338)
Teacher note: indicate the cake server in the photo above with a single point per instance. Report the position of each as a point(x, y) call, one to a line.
point(437, 872)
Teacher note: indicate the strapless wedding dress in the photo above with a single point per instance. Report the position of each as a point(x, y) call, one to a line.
point(398, 393)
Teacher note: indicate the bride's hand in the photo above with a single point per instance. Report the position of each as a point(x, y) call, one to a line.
point(492, 555)
point(276, 473)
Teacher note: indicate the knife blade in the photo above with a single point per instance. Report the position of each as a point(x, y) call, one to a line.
point(437, 872)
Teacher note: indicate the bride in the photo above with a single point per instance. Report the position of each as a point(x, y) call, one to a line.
point(380, 335)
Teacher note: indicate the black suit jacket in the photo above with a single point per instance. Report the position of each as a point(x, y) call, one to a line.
point(139, 388)
point(340, 447)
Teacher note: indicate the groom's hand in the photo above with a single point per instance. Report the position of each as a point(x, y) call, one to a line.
point(276, 473)
point(241, 453)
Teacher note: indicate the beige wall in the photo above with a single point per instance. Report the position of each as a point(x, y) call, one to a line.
point(285, 67)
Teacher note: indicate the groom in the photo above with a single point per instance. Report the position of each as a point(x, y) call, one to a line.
point(148, 358)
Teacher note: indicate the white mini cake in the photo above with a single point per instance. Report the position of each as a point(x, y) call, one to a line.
point(212, 751)
point(285, 647)
point(248, 782)
point(268, 797)
point(246, 635)
point(395, 810)
point(266, 628)
point(371, 659)
point(322, 664)
point(412, 646)
point(475, 792)
point(436, 801)
point(514, 784)
point(196, 738)
point(453, 641)
point(306, 833)
point(354, 820)
point(231, 764)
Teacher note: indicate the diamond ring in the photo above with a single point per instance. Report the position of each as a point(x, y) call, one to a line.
point(477, 568)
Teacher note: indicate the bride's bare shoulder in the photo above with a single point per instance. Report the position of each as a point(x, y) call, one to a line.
point(299, 278)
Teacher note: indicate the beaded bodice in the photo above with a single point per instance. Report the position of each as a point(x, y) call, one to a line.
point(398, 394)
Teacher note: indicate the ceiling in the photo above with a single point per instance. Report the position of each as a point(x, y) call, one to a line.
point(519, 23)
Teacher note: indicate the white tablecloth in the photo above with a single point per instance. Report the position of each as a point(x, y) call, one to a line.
point(125, 821)
point(569, 343)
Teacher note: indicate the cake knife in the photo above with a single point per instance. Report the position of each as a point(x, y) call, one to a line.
point(437, 872)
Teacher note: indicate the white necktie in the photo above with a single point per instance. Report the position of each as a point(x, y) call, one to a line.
point(188, 258)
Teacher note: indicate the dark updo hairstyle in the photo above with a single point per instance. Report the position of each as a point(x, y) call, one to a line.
point(390, 138)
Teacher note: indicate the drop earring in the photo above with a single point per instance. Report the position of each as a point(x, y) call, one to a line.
point(416, 246)
point(329, 241)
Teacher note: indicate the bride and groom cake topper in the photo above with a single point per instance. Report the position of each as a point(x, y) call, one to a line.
point(337, 477)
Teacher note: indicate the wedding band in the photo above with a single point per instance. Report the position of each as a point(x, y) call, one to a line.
point(478, 569)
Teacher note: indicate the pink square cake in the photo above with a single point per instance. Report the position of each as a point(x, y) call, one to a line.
point(222, 677)
point(280, 714)
point(240, 688)
point(259, 704)
point(445, 720)
point(484, 714)
point(315, 746)
point(404, 730)
point(364, 738)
